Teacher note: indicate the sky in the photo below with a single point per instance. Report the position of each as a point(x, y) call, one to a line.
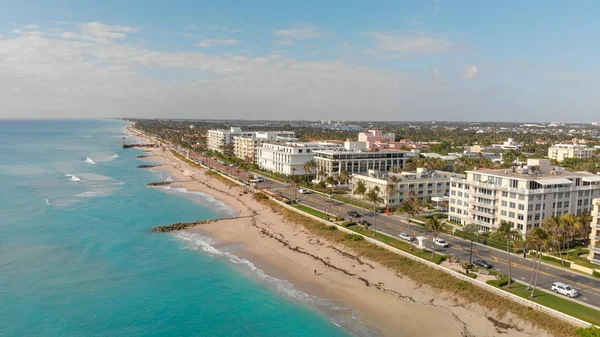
point(508, 61)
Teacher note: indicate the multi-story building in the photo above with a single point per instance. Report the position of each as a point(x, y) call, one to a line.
point(289, 158)
point(595, 233)
point(375, 138)
point(560, 152)
point(510, 144)
point(332, 162)
point(245, 147)
point(522, 196)
point(219, 139)
point(421, 184)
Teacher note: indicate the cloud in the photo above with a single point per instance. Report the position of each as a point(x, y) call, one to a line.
point(436, 72)
point(471, 71)
point(301, 33)
point(28, 33)
point(99, 30)
point(191, 27)
point(1, 36)
point(212, 42)
point(31, 27)
point(410, 44)
point(285, 42)
point(68, 35)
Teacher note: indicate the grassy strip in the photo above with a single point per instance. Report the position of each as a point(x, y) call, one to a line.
point(557, 303)
point(218, 176)
point(423, 274)
point(310, 211)
point(189, 162)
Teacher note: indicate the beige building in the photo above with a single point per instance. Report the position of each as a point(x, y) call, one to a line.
point(560, 152)
point(421, 184)
point(595, 233)
point(522, 196)
point(245, 147)
point(218, 139)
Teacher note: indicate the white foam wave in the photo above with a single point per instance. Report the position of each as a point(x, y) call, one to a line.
point(47, 202)
point(89, 161)
point(114, 156)
point(72, 177)
point(341, 316)
point(205, 199)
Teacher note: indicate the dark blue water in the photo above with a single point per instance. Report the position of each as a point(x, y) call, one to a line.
point(77, 259)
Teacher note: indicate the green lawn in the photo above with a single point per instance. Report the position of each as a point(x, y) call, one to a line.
point(310, 211)
point(397, 243)
point(557, 302)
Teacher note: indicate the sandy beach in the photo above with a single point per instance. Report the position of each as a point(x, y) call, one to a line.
point(390, 303)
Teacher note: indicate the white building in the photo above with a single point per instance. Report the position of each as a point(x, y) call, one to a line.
point(376, 137)
point(422, 184)
point(595, 233)
point(245, 147)
point(522, 196)
point(218, 139)
point(510, 144)
point(289, 158)
point(560, 152)
point(353, 161)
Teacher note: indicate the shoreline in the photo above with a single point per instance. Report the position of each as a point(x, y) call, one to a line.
point(394, 304)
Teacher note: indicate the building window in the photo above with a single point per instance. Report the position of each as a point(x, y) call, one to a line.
point(511, 214)
point(520, 217)
point(504, 203)
point(512, 205)
point(503, 213)
point(521, 207)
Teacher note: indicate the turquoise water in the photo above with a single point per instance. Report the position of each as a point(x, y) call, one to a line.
point(77, 259)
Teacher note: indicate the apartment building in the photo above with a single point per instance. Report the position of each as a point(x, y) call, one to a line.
point(523, 196)
point(245, 147)
point(332, 162)
point(421, 184)
point(376, 138)
point(560, 152)
point(595, 233)
point(219, 139)
point(289, 158)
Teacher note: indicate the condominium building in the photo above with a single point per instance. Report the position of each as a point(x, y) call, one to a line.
point(421, 184)
point(522, 196)
point(595, 233)
point(245, 147)
point(332, 162)
point(560, 152)
point(373, 138)
point(289, 158)
point(219, 139)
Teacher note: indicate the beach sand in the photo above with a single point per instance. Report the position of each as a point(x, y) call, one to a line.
point(390, 303)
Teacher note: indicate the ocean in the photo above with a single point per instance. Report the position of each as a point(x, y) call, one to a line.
point(77, 257)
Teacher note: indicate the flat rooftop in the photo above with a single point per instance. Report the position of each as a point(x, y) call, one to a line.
point(508, 173)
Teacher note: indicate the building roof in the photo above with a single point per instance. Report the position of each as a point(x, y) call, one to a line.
point(554, 181)
point(510, 174)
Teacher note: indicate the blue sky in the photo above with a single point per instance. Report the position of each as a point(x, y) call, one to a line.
point(388, 60)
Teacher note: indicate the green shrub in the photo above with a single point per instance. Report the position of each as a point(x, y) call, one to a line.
point(353, 237)
point(587, 332)
point(349, 223)
point(260, 196)
point(596, 273)
point(555, 259)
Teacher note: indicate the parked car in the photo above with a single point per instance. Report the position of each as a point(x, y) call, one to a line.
point(304, 191)
point(482, 264)
point(406, 237)
point(563, 289)
point(443, 210)
point(365, 223)
point(440, 242)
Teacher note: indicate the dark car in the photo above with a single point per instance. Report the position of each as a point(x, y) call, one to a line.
point(365, 223)
point(351, 213)
point(482, 264)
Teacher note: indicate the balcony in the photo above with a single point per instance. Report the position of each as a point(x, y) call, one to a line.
point(594, 261)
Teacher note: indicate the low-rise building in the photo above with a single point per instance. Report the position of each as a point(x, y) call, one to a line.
point(560, 152)
point(289, 158)
point(522, 196)
point(333, 161)
point(397, 187)
point(510, 144)
point(594, 256)
point(245, 147)
point(375, 138)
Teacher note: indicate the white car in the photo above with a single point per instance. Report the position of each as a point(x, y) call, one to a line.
point(304, 191)
point(440, 242)
point(405, 236)
point(563, 289)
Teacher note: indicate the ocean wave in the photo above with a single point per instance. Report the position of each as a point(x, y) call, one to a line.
point(72, 177)
point(114, 156)
point(341, 316)
point(89, 161)
point(206, 199)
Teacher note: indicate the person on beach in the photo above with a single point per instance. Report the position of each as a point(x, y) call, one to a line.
point(315, 272)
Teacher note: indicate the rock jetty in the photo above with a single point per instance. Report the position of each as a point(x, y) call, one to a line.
point(146, 166)
point(129, 146)
point(142, 156)
point(178, 226)
point(161, 183)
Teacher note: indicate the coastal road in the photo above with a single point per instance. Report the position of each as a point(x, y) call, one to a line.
point(588, 287)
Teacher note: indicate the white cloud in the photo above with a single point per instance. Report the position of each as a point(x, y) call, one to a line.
point(301, 33)
point(436, 72)
point(68, 35)
point(285, 42)
point(102, 31)
point(471, 71)
point(212, 42)
point(31, 27)
point(28, 33)
point(410, 44)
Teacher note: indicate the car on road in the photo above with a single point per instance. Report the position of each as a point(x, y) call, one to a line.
point(564, 289)
point(304, 191)
point(354, 214)
point(406, 237)
point(364, 223)
point(482, 264)
point(440, 242)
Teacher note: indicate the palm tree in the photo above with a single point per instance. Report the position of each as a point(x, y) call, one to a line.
point(360, 189)
point(374, 197)
point(585, 218)
point(506, 232)
point(435, 226)
point(572, 226)
point(390, 190)
point(554, 226)
point(343, 177)
point(538, 238)
point(294, 185)
point(412, 207)
point(471, 229)
point(329, 181)
point(308, 168)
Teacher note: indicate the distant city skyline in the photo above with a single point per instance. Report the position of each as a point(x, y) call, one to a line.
point(508, 61)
